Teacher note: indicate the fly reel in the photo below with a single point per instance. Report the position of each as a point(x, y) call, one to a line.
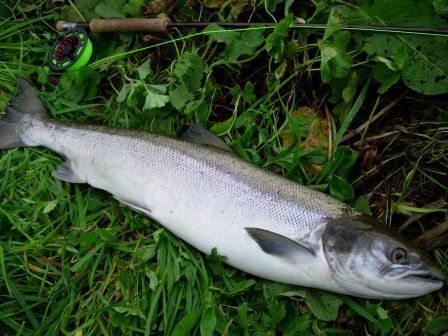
point(72, 50)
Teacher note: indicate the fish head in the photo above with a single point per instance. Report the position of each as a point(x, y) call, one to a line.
point(369, 260)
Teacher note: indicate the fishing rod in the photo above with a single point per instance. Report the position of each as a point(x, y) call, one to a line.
point(73, 48)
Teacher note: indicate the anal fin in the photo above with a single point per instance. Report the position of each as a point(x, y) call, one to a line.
point(66, 173)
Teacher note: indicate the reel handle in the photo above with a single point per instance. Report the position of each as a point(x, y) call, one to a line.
point(132, 25)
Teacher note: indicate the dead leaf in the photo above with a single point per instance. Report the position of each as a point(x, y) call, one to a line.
point(316, 130)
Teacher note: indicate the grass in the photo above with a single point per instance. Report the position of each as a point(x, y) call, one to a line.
point(74, 261)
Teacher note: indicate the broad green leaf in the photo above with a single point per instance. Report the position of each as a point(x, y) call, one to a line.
point(125, 89)
point(180, 96)
point(208, 321)
point(437, 325)
point(133, 310)
point(223, 127)
point(275, 42)
point(245, 44)
point(350, 90)
point(385, 322)
point(213, 3)
point(85, 7)
point(241, 286)
point(335, 62)
point(248, 93)
point(237, 43)
point(441, 7)
point(427, 69)
point(188, 322)
point(145, 253)
point(110, 9)
point(221, 34)
point(277, 311)
point(363, 205)
point(323, 305)
point(340, 188)
point(134, 7)
point(387, 77)
point(422, 59)
point(144, 69)
point(288, 4)
point(360, 310)
point(80, 84)
point(190, 70)
point(50, 206)
point(272, 4)
point(153, 100)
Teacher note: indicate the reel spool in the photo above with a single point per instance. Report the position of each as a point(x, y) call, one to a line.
point(71, 51)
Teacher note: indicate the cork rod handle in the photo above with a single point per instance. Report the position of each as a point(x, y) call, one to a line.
point(156, 25)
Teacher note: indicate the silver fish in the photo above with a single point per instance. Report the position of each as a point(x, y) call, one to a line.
point(263, 223)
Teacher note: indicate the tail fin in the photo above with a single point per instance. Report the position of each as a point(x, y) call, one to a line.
point(24, 103)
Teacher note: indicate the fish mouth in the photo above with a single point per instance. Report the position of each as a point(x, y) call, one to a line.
point(429, 276)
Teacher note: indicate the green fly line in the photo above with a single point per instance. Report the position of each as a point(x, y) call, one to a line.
point(210, 32)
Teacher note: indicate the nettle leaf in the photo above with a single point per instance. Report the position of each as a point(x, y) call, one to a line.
point(421, 59)
point(272, 4)
point(334, 62)
point(248, 93)
point(80, 85)
point(180, 95)
point(324, 305)
point(385, 76)
point(275, 42)
point(427, 69)
point(348, 93)
point(441, 7)
point(237, 43)
point(245, 44)
point(190, 70)
point(133, 7)
point(110, 9)
point(221, 34)
point(188, 73)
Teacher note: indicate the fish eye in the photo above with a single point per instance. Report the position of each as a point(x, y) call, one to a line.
point(398, 255)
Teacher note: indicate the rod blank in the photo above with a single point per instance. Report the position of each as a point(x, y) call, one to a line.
point(162, 24)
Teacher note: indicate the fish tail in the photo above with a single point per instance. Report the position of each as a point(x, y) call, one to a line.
point(24, 105)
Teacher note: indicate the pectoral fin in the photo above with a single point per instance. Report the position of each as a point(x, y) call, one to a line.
point(135, 207)
point(280, 246)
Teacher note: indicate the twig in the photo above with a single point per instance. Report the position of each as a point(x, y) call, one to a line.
point(375, 117)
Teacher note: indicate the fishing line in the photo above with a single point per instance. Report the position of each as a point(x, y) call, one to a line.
point(265, 27)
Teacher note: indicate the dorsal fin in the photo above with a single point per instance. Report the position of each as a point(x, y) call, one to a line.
point(202, 136)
